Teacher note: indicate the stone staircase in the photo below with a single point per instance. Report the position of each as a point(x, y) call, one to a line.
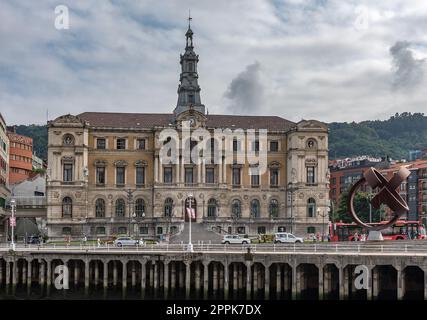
point(199, 233)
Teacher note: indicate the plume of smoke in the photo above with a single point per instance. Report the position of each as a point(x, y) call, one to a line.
point(246, 90)
point(408, 71)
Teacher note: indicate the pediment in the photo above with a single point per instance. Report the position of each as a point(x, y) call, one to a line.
point(312, 124)
point(67, 120)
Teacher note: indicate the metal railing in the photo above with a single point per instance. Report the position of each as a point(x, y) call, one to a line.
point(419, 248)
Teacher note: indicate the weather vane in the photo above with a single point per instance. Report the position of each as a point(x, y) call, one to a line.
point(387, 194)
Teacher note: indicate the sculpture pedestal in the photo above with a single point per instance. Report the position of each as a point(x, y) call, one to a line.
point(375, 236)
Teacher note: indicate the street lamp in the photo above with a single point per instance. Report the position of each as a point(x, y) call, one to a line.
point(190, 211)
point(291, 190)
point(323, 222)
point(130, 198)
point(13, 222)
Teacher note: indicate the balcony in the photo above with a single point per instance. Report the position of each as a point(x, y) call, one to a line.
point(28, 202)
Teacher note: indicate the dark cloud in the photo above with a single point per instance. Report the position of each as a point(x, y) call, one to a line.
point(408, 71)
point(246, 90)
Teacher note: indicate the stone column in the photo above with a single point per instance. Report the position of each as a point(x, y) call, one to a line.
point(87, 270)
point(197, 279)
point(248, 279)
point(235, 282)
point(220, 170)
point(425, 283)
point(255, 281)
point(341, 282)
point(24, 273)
point(173, 277)
point(14, 273)
point(400, 288)
point(321, 282)
point(220, 279)
point(166, 279)
point(370, 289)
point(1, 273)
point(42, 272)
point(48, 274)
point(224, 170)
point(156, 278)
point(375, 283)
point(267, 282)
point(105, 282)
point(205, 280)
point(156, 169)
point(278, 281)
point(114, 273)
point(203, 171)
point(124, 275)
point(295, 292)
point(161, 172)
point(76, 273)
point(143, 278)
point(187, 279)
point(182, 170)
point(7, 273)
point(150, 266)
point(96, 273)
point(133, 275)
point(29, 274)
point(226, 281)
point(214, 279)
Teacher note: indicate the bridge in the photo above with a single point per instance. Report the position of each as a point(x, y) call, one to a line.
point(282, 272)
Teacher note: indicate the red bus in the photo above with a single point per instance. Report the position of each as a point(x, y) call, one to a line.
point(401, 230)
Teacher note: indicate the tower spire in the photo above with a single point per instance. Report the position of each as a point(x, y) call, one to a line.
point(189, 89)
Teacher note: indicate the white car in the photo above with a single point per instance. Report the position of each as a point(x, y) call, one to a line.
point(285, 237)
point(127, 241)
point(235, 239)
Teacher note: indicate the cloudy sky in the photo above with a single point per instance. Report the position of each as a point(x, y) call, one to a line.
point(313, 59)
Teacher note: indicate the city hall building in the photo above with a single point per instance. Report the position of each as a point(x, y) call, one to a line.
point(108, 174)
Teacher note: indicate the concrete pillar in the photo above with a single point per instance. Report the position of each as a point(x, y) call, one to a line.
point(166, 279)
point(143, 277)
point(205, 280)
point(133, 275)
point(226, 281)
point(278, 281)
point(321, 282)
point(187, 280)
point(124, 275)
point(267, 282)
point(96, 273)
point(115, 273)
point(105, 275)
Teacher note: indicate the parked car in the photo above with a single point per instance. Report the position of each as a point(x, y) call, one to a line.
point(127, 241)
point(33, 240)
point(234, 239)
point(286, 237)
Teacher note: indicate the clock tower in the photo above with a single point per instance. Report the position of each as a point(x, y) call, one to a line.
point(189, 89)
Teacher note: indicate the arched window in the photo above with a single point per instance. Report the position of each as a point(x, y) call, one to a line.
point(212, 208)
point(255, 209)
point(140, 208)
point(168, 207)
point(100, 208)
point(274, 208)
point(236, 209)
point(67, 207)
point(68, 140)
point(120, 208)
point(311, 208)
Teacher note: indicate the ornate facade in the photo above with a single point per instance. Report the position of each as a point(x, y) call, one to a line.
point(108, 175)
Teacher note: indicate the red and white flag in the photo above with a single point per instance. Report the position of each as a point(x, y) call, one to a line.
point(191, 213)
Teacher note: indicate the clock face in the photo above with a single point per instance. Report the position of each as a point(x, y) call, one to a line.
point(192, 121)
